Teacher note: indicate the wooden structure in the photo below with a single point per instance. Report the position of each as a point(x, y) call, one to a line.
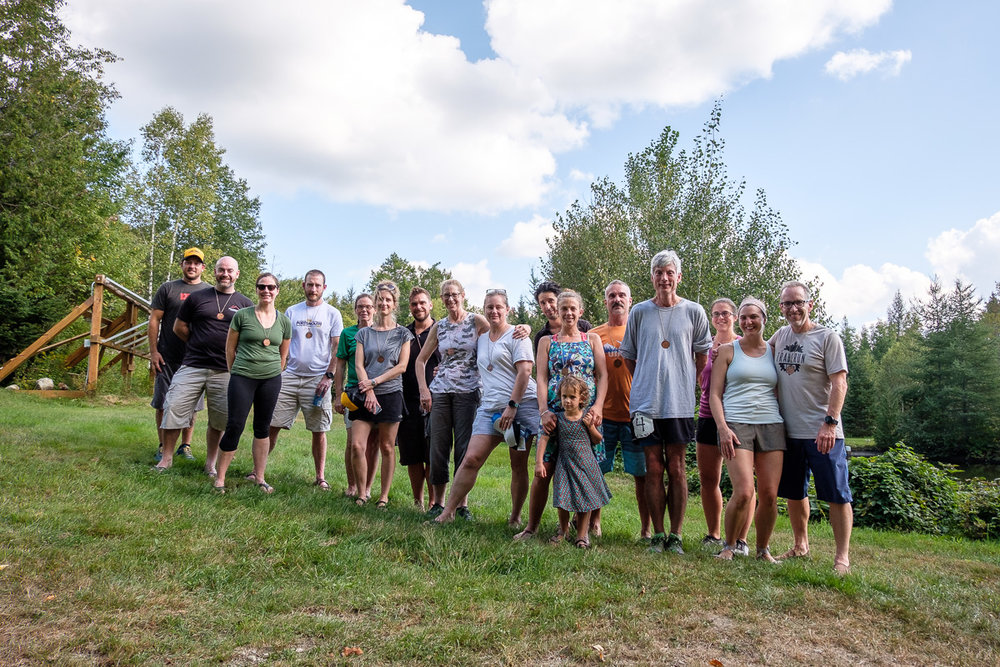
point(123, 335)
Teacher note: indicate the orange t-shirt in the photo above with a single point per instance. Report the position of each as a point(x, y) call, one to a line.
point(619, 376)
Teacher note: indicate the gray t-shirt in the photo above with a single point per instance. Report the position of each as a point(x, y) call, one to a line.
point(312, 328)
point(805, 363)
point(664, 382)
point(387, 345)
point(503, 355)
point(456, 374)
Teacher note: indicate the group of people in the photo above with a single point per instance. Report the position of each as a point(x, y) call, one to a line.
point(448, 392)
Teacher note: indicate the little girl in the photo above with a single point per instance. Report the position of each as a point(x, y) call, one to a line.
point(578, 485)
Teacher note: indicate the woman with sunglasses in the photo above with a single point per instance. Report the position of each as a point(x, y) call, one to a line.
point(709, 457)
point(256, 353)
point(380, 358)
point(504, 364)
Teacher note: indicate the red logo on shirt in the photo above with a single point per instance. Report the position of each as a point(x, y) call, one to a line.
point(185, 295)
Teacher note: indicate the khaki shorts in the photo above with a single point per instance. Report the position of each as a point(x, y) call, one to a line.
point(185, 390)
point(759, 437)
point(297, 393)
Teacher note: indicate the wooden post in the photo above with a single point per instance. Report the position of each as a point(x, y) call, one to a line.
point(32, 349)
point(94, 357)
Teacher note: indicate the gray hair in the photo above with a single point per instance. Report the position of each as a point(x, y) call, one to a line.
point(797, 283)
point(618, 282)
point(663, 259)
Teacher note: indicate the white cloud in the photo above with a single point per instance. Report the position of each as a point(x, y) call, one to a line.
point(603, 55)
point(862, 293)
point(475, 278)
point(439, 238)
point(847, 65)
point(577, 175)
point(968, 254)
point(527, 239)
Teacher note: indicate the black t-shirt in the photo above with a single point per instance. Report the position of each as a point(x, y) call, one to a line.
point(206, 346)
point(411, 390)
point(583, 325)
point(169, 298)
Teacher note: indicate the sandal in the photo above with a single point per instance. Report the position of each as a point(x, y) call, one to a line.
point(764, 554)
point(726, 547)
point(218, 490)
point(841, 568)
point(524, 535)
point(382, 504)
point(322, 484)
point(792, 553)
point(557, 538)
point(360, 501)
point(266, 488)
point(582, 543)
point(251, 477)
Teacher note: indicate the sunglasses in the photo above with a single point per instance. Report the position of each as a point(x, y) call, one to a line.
point(269, 288)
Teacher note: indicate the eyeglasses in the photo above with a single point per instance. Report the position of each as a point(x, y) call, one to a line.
point(269, 288)
point(721, 313)
point(793, 304)
point(451, 295)
point(496, 290)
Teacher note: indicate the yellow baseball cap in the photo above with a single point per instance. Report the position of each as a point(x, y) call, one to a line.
point(194, 252)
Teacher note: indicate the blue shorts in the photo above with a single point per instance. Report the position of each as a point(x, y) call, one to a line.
point(829, 472)
point(616, 433)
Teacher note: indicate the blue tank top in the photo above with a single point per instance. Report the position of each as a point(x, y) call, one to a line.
point(749, 395)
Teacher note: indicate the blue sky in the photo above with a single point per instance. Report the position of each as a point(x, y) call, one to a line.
point(452, 131)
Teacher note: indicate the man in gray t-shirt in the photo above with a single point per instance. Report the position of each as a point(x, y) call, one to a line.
point(666, 347)
point(812, 385)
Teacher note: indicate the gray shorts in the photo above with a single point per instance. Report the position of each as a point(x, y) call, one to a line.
point(161, 384)
point(759, 437)
point(185, 391)
point(297, 393)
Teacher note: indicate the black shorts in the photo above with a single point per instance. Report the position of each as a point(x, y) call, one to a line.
point(391, 412)
point(670, 431)
point(412, 439)
point(708, 432)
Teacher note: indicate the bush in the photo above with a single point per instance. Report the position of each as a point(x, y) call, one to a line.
point(901, 490)
point(979, 508)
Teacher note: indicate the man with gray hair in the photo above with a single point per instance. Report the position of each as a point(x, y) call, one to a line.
point(812, 386)
point(666, 346)
point(203, 324)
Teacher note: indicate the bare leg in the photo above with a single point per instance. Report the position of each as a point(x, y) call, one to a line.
point(371, 458)
point(260, 450)
point(319, 454)
point(677, 488)
point(595, 522)
point(518, 484)
point(656, 497)
point(360, 430)
point(212, 438)
point(170, 436)
point(640, 501)
point(387, 445)
point(563, 516)
point(842, 521)
point(465, 477)
point(798, 516)
point(741, 473)
point(537, 500)
point(188, 433)
point(272, 436)
point(709, 474)
point(418, 475)
point(438, 494)
point(225, 458)
point(352, 486)
point(583, 521)
point(768, 467)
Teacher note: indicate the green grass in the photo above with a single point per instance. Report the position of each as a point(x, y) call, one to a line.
point(106, 563)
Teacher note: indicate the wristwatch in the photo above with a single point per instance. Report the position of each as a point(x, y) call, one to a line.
point(512, 404)
point(328, 375)
point(830, 420)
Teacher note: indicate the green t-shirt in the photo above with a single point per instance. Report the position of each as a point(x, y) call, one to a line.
point(253, 358)
point(345, 351)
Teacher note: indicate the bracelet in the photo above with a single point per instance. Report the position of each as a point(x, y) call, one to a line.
point(547, 412)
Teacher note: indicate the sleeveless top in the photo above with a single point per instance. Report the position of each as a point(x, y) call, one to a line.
point(574, 357)
point(457, 373)
point(749, 396)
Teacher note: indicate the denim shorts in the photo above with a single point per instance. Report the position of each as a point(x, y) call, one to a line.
point(620, 433)
point(829, 472)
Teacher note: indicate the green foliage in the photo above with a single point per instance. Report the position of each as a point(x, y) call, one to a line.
point(60, 173)
point(187, 196)
point(979, 508)
point(858, 414)
point(901, 490)
point(684, 201)
point(408, 275)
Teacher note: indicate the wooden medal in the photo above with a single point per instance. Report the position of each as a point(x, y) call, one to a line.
point(618, 363)
point(267, 342)
point(220, 316)
point(309, 334)
point(380, 358)
point(665, 344)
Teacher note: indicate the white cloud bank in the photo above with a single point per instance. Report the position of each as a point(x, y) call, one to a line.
point(355, 101)
point(847, 65)
point(528, 239)
point(970, 255)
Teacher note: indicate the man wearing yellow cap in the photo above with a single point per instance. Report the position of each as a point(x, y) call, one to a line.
point(166, 350)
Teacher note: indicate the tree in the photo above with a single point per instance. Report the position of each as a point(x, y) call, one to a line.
point(859, 406)
point(408, 275)
point(59, 173)
point(187, 196)
point(679, 200)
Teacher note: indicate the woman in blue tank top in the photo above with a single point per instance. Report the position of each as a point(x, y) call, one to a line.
point(751, 431)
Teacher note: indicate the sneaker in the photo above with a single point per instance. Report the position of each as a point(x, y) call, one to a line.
point(712, 543)
point(185, 451)
point(463, 512)
point(657, 544)
point(741, 548)
point(435, 511)
point(674, 544)
point(159, 454)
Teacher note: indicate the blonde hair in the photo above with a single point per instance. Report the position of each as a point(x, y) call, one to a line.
point(569, 294)
point(575, 382)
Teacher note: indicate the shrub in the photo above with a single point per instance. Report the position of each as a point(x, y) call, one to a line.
point(979, 508)
point(901, 490)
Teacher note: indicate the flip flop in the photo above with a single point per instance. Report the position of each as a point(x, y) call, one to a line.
point(524, 536)
point(792, 553)
point(322, 484)
point(382, 504)
point(266, 488)
point(557, 538)
point(251, 477)
point(218, 490)
point(841, 568)
point(360, 501)
point(581, 543)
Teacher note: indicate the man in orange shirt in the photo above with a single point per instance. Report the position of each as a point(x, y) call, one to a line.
point(617, 422)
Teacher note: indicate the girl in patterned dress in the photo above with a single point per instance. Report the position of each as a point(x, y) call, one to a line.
point(578, 485)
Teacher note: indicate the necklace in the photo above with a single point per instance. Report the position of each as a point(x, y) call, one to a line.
point(663, 333)
point(379, 345)
point(267, 332)
point(221, 315)
point(489, 349)
point(310, 321)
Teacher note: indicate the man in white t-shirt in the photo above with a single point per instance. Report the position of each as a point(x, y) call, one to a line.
point(305, 383)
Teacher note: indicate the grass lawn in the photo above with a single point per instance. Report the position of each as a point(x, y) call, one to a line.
point(102, 561)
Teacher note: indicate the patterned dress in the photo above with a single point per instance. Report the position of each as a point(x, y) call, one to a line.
point(575, 357)
point(577, 484)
